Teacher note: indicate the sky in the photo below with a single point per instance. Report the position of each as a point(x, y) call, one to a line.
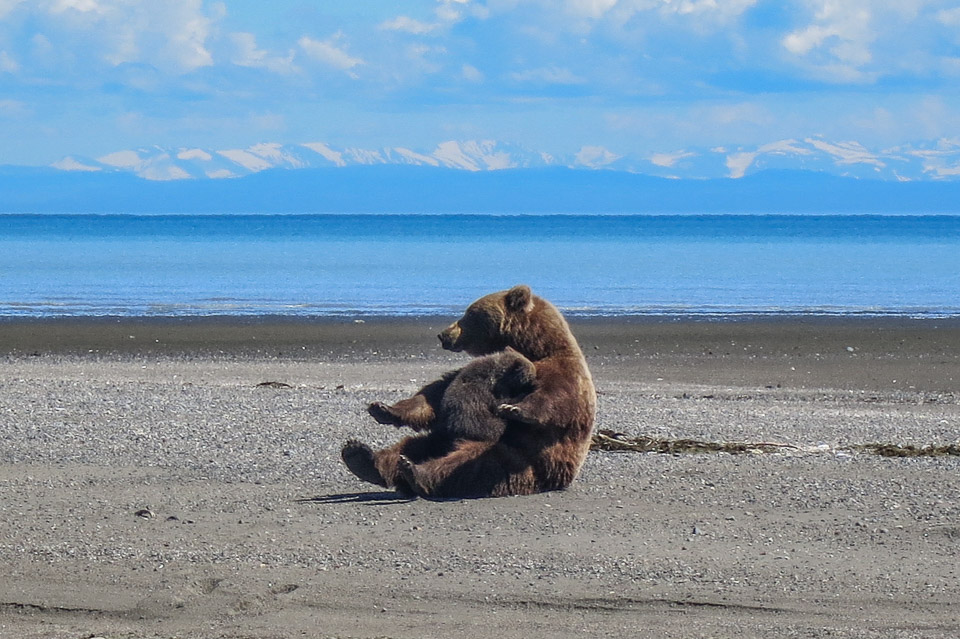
point(642, 77)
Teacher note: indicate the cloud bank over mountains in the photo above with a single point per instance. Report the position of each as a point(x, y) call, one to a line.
point(938, 161)
point(598, 81)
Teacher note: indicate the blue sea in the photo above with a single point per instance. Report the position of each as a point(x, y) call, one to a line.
point(405, 265)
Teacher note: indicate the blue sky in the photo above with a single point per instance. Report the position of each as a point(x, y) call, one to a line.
point(88, 77)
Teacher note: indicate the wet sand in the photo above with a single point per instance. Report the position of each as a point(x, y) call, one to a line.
point(152, 487)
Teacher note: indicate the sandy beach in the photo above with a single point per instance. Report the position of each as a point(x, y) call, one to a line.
point(181, 478)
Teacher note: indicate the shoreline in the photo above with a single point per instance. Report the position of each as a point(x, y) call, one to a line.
point(189, 329)
point(879, 354)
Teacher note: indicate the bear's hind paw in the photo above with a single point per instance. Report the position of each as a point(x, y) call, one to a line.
point(358, 458)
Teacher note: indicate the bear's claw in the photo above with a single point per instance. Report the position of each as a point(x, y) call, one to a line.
point(358, 458)
point(407, 473)
point(509, 411)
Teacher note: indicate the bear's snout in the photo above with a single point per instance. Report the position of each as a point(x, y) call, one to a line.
point(449, 336)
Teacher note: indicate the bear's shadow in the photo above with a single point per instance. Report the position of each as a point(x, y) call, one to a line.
point(381, 498)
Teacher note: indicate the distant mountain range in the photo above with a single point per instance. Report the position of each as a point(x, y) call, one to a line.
point(788, 176)
point(935, 161)
point(158, 163)
point(391, 188)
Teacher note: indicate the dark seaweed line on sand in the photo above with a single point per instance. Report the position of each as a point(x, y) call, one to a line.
point(609, 440)
point(68, 610)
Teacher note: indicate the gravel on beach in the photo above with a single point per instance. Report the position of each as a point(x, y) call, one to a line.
point(181, 478)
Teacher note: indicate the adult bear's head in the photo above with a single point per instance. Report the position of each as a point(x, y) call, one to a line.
point(516, 318)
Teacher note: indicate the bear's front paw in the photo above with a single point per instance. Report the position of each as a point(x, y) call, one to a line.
point(510, 411)
point(382, 413)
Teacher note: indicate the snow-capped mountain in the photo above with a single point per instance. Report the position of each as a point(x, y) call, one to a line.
point(937, 161)
point(157, 163)
point(934, 161)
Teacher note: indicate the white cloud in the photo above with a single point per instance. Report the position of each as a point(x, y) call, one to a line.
point(327, 52)
point(247, 54)
point(943, 170)
point(41, 47)
point(7, 6)
point(941, 162)
point(803, 41)
point(949, 17)
point(12, 108)
point(590, 8)
point(838, 43)
point(422, 57)
point(448, 11)
point(645, 74)
point(547, 75)
point(471, 73)
point(752, 113)
point(83, 6)
point(170, 35)
point(721, 8)
point(950, 66)
point(7, 63)
point(408, 25)
point(188, 30)
point(621, 11)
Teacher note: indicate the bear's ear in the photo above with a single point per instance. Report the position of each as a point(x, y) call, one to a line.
point(519, 299)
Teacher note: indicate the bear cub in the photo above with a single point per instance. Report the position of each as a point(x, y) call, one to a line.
point(470, 408)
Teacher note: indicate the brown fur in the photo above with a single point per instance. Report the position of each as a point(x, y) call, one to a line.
point(470, 405)
point(547, 432)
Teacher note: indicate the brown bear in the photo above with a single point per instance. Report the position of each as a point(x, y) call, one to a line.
point(548, 430)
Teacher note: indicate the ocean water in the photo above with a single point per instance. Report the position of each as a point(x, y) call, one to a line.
point(361, 265)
